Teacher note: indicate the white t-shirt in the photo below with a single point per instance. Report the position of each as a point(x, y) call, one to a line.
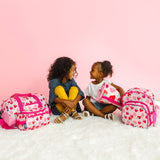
point(93, 89)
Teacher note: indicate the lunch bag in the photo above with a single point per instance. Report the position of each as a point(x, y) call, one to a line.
point(138, 108)
point(109, 95)
point(25, 111)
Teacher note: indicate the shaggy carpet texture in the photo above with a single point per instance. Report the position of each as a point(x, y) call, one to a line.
point(92, 138)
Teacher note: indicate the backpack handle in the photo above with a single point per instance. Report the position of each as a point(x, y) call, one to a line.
point(17, 95)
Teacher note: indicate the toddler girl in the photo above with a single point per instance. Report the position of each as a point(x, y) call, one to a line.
point(64, 93)
point(98, 72)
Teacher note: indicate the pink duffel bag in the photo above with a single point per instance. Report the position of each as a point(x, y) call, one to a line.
point(109, 95)
point(25, 111)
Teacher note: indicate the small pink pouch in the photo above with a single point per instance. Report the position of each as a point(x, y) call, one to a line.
point(8, 119)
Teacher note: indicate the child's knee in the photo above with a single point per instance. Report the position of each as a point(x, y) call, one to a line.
point(59, 89)
point(74, 89)
point(113, 108)
point(60, 92)
point(73, 92)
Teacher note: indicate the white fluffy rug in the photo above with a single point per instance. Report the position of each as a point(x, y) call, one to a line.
point(92, 138)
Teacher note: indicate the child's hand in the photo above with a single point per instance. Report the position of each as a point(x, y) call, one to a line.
point(68, 110)
point(70, 103)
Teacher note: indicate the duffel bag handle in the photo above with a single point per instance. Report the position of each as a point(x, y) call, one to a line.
point(22, 95)
point(17, 95)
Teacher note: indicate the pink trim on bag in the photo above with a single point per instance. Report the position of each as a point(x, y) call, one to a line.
point(135, 104)
point(25, 112)
point(100, 95)
point(38, 114)
point(28, 104)
point(22, 95)
point(137, 92)
point(129, 104)
point(17, 95)
point(149, 97)
point(112, 101)
point(41, 111)
point(154, 118)
point(21, 122)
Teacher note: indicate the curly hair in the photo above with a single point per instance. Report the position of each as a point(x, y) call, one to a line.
point(60, 68)
point(106, 68)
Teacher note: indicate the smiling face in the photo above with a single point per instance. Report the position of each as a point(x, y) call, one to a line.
point(95, 72)
point(71, 72)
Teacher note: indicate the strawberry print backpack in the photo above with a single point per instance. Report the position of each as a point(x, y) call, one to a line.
point(138, 108)
point(109, 95)
point(25, 111)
